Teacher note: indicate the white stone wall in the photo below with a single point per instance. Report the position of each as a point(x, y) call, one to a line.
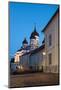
point(24, 61)
point(37, 59)
point(19, 54)
point(53, 30)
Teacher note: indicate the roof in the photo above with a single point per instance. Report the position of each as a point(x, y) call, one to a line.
point(20, 49)
point(32, 36)
point(38, 49)
point(25, 41)
point(50, 20)
point(35, 50)
point(34, 33)
point(27, 48)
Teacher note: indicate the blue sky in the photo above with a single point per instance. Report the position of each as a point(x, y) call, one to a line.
point(22, 19)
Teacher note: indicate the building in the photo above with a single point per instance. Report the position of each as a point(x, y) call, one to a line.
point(41, 58)
point(51, 32)
point(36, 60)
point(32, 60)
point(29, 57)
point(34, 43)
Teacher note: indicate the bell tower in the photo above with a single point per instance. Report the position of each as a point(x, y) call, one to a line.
point(34, 39)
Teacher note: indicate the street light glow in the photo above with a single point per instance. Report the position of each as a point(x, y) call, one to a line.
point(44, 53)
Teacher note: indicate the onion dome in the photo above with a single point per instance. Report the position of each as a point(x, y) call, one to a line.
point(34, 33)
point(32, 36)
point(25, 41)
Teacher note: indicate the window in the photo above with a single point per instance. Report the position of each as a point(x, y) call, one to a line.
point(50, 58)
point(50, 40)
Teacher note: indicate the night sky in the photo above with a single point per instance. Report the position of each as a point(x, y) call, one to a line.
point(23, 17)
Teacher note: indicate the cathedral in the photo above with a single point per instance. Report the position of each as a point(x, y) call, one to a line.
point(29, 56)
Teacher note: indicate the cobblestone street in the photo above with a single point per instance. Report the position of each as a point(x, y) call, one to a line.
point(34, 79)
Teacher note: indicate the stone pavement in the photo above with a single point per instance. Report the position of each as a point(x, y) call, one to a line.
point(33, 79)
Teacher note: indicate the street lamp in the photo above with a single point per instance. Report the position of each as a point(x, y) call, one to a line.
point(44, 57)
point(44, 53)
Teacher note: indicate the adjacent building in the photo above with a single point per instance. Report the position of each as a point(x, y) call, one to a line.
point(51, 32)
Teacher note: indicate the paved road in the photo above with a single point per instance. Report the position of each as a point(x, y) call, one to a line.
point(34, 79)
